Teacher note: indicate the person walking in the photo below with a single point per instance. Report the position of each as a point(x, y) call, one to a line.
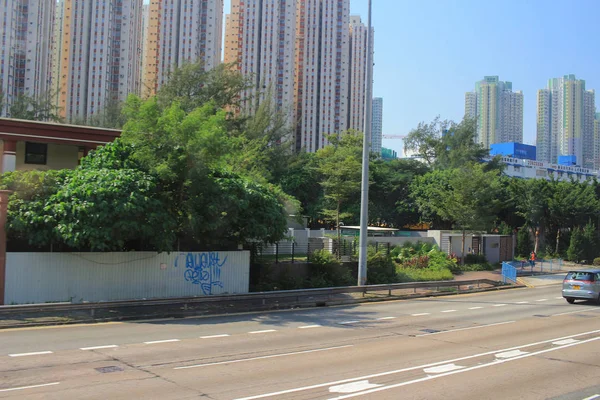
point(532, 259)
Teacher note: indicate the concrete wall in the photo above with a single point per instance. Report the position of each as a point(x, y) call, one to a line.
point(77, 277)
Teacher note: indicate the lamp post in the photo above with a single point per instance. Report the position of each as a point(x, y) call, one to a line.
point(364, 192)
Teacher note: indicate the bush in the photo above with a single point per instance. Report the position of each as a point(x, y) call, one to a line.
point(597, 261)
point(475, 267)
point(423, 275)
point(380, 267)
point(326, 271)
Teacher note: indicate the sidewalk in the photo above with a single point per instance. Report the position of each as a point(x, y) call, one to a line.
point(537, 279)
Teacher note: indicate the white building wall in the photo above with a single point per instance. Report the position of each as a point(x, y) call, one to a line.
point(471, 105)
point(544, 137)
point(530, 169)
point(358, 71)
point(589, 115)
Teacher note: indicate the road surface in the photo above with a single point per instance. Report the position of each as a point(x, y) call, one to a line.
point(513, 344)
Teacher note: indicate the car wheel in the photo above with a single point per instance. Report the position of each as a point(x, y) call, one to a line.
point(570, 300)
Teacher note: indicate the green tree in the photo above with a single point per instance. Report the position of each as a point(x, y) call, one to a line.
point(111, 117)
point(390, 203)
point(447, 145)
point(35, 108)
point(531, 198)
point(340, 167)
point(524, 245)
point(467, 196)
point(192, 86)
point(590, 242)
point(576, 248)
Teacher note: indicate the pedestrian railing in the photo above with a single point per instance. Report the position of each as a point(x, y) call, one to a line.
point(509, 272)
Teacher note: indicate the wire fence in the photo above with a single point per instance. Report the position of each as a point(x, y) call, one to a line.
point(292, 252)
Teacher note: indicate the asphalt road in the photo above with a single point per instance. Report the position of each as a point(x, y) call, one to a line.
point(514, 344)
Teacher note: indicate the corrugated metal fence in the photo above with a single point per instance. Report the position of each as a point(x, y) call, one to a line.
point(78, 277)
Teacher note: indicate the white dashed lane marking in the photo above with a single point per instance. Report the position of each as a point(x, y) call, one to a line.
point(348, 322)
point(110, 346)
point(499, 305)
point(265, 331)
point(447, 311)
point(309, 326)
point(385, 318)
point(163, 341)
point(37, 353)
point(29, 387)
point(542, 300)
point(420, 315)
point(475, 308)
point(214, 336)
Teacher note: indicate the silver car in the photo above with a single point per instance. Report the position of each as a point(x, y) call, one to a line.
point(582, 285)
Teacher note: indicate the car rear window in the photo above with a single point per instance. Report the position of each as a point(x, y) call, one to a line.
point(580, 276)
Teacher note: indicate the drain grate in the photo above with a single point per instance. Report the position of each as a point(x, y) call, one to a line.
point(430, 330)
point(107, 370)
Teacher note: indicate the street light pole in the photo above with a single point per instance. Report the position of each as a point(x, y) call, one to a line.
point(364, 193)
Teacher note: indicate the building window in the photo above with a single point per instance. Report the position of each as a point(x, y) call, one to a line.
point(36, 153)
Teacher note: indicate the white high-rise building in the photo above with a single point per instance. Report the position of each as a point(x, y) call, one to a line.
point(261, 37)
point(565, 121)
point(26, 31)
point(183, 31)
point(596, 141)
point(323, 71)
point(498, 111)
point(101, 49)
point(471, 105)
point(358, 73)
point(57, 43)
point(377, 126)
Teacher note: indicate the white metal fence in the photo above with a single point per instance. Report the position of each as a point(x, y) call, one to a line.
point(78, 277)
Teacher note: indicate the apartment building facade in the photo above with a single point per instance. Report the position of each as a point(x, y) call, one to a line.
point(179, 32)
point(323, 71)
point(497, 110)
point(26, 31)
point(377, 126)
point(260, 39)
point(358, 73)
point(565, 121)
point(100, 52)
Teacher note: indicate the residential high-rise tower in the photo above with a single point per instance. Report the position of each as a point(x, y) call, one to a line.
point(101, 49)
point(322, 78)
point(260, 39)
point(377, 126)
point(358, 73)
point(565, 121)
point(181, 31)
point(26, 31)
point(498, 111)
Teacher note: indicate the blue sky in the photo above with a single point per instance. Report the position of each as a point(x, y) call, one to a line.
point(428, 53)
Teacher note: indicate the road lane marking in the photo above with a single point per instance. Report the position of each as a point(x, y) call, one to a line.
point(398, 371)
point(559, 298)
point(265, 357)
point(592, 397)
point(37, 353)
point(29, 387)
point(465, 329)
point(542, 300)
point(581, 310)
point(420, 315)
point(163, 341)
point(265, 331)
point(446, 311)
point(110, 346)
point(522, 302)
point(565, 341)
point(499, 305)
point(475, 308)
point(442, 368)
point(348, 322)
point(385, 318)
point(511, 354)
point(353, 387)
point(309, 326)
point(476, 367)
point(214, 336)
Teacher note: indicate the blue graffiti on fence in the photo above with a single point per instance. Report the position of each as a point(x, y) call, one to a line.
point(203, 269)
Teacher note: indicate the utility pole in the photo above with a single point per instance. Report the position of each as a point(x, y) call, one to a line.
point(364, 192)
